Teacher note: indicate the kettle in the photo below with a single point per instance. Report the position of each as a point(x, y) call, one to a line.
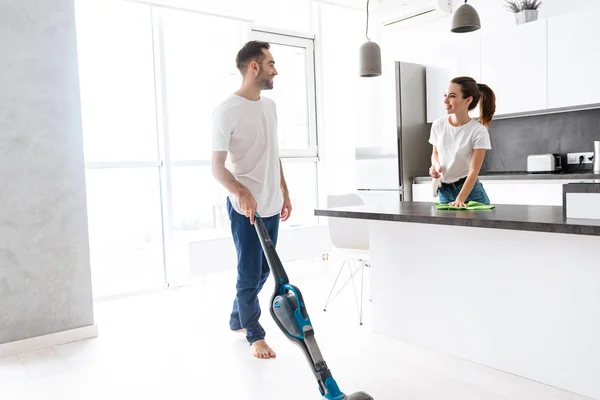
point(597, 157)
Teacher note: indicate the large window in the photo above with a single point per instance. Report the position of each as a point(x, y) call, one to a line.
point(150, 80)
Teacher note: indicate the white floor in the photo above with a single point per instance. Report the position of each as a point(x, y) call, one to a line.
point(176, 345)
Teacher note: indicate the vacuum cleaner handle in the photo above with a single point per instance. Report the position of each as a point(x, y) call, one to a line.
point(268, 247)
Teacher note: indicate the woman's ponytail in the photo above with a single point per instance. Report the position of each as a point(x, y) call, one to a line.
point(487, 104)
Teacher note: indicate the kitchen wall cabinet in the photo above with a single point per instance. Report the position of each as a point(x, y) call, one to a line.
point(512, 62)
point(574, 59)
point(514, 65)
point(539, 66)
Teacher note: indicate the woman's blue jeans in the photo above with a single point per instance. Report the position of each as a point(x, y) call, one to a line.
point(448, 192)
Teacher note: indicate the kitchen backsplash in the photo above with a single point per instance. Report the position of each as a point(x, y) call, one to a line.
point(514, 139)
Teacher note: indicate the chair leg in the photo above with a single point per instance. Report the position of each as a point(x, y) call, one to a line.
point(333, 287)
point(355, 295)
point(350, 279)
point(361, 266)
point(359, 307)
point(362, 286)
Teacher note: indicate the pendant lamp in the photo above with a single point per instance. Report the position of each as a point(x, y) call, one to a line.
point(370, 55)
point(465, 19)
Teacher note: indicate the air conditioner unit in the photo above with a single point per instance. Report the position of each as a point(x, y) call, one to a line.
point(395, 14)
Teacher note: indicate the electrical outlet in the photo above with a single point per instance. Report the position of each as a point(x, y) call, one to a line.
point(573, 158)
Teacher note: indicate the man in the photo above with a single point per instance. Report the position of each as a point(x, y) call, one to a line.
point(245, 128)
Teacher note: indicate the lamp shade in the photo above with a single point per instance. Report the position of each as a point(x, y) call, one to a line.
point(370, 59)
point(465, 19)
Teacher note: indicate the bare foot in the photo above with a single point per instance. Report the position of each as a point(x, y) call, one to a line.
point(241, 330)
point(261, 349)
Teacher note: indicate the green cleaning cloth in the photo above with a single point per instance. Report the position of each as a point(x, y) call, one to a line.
point(472, 205)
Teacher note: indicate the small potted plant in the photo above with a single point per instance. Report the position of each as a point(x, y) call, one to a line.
point(524, 10)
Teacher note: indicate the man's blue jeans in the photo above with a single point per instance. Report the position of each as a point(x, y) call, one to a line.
point(252, 274)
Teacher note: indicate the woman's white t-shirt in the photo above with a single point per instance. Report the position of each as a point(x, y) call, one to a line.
point(455, 145)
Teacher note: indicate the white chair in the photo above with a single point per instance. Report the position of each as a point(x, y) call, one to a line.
point(351, 238)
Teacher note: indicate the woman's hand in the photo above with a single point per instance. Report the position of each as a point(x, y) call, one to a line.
point(475, 167)
point(435, 171)
point(459, 202)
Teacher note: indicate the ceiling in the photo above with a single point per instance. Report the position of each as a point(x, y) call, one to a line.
point(383, 11)
point(378, 5)
point(402, 8)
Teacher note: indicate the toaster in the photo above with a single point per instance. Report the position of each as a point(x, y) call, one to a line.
point(544, 163)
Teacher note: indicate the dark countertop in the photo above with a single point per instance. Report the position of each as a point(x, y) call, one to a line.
point(581, 188)
point(522, 175)
point(513, 217)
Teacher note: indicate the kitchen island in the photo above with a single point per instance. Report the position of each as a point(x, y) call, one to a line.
point(516, 288)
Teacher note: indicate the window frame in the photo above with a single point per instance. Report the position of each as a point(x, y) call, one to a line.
point(306, 41)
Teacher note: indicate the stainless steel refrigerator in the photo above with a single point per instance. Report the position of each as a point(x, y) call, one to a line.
point(385, 174)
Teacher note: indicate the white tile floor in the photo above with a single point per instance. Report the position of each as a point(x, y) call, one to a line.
point(176, 345)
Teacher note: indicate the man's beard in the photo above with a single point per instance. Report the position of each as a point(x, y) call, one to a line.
point(265, 83)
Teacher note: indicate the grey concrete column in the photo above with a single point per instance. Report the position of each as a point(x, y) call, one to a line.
point(45, 280)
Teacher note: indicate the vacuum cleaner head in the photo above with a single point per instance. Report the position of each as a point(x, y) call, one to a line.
point(358, 396)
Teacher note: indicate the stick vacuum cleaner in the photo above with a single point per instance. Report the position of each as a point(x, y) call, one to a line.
point(289, 312)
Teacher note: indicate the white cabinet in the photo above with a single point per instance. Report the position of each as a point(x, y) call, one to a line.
point(574, 59)
point(514, 65)
point(526, 192)
point(454, 55)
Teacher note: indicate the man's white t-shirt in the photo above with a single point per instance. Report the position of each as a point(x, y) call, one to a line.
point(247, 129)
point(455, 145)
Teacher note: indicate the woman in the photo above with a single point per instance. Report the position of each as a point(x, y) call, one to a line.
point(459, 142)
